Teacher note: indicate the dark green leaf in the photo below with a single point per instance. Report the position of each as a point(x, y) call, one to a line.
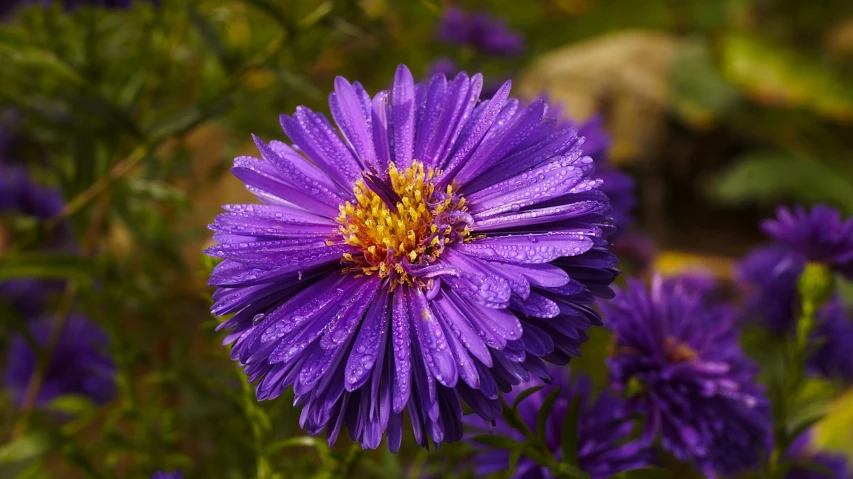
point(542, 417)
point(501, 442)
point(47, 265)
point(569, 437)
point(803, 427)
point(568, 471)
point(524, 395)
point(770, 177)
point(210, 38)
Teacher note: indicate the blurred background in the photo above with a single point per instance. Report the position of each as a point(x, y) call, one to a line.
point(119, 121)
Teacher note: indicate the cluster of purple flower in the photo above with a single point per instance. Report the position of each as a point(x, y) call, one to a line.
point(79, 363)
point(442, 249)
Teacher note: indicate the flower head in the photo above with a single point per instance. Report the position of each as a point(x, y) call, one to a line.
point(769, 276)
point(696, 388)
point(818, 235)
point(78, 364)
point(437, 252)
point(604, 445)
point(167, 475)
point(834, 465)
point(479, 31)
point(618, 186)
point(19, 195)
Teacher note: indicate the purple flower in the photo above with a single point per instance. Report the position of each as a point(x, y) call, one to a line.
point(78, 365)
point(167, 475)
point(604, 431)
point(20, 195)
point(769, 275)
point(818, 235)
point(480, 31)
point(71, 4)
point(800, 452)
point(696, 388)
point(832, 341)
point(618, 186)
point(439, 251)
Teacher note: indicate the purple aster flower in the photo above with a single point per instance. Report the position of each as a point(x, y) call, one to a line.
point(819, 235)
point(617, 185)
point(79, 364)
point(768, 277)
point(803, 454)
point(71, 4)
point(604, 445)
point(167, 475)
point(438, 251)
point(480, 31)
point(20, 195)
point(697, 389)
point(832, 341)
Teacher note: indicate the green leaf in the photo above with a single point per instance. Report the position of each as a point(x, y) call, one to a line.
point(700, 94)
point(524, 395)
point(500, 442)
point(211, 38)
point(777, 75)
point(545, 412)
point(17, 456)
point(72, 404)
point(568, 471)
point(643, 473)
point(569, 437)
point(769, 177)
point(47, 265)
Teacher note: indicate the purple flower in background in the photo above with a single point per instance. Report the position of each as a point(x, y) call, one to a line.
point(21, 196)
point(167, 475)
point(439, 251)
point(79, 364)
point(769, 275)
point(480, 31)
point(9, 5)
point(818, 235)
point(443, 66)
point(833, 341)
point(833, 466)
point(697, 389)
point(618, 186)
point(604, 445)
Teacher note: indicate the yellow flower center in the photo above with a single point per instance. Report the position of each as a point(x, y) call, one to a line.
point(399, 219)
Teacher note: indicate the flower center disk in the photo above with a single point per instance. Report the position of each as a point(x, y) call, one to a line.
point(401, 220)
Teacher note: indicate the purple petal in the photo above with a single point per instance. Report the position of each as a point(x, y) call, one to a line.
point(403, 107)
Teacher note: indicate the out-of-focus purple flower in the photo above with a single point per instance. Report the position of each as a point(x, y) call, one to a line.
point(696, 388)
point(168, 475)
point(834, 465)
point(9, 5)
point(443, 66)
point(439, 250)
point(78, 365)
point(604, 431)
point(818, 235)
point(479, 30)
point(833, 343)
point(617, 185)
point(20, 195)
point(769, 276)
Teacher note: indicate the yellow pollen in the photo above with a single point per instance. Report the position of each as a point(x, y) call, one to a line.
point(386, 237)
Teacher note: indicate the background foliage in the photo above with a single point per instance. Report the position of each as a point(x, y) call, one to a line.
point(719, 108)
